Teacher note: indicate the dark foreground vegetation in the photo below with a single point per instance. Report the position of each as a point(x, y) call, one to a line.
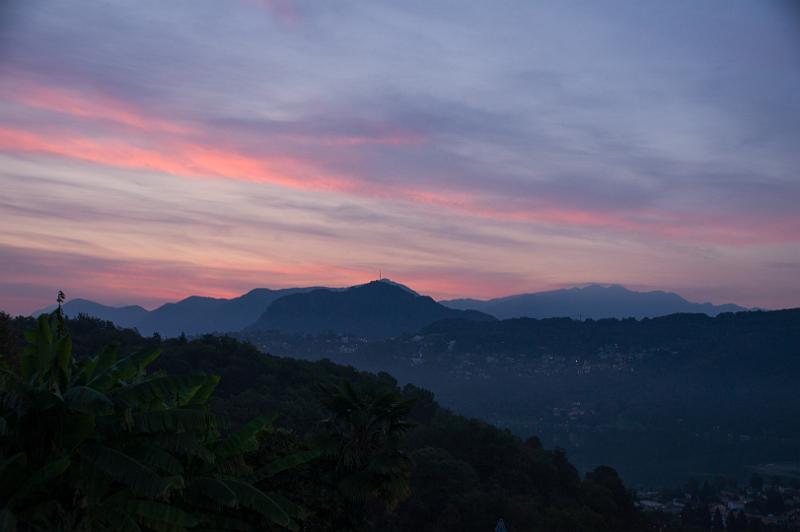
point(211, 434)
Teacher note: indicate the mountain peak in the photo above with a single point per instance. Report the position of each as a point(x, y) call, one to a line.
point(380, 308)
point(388, 282)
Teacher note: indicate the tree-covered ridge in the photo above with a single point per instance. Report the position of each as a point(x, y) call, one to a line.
point(464, 474)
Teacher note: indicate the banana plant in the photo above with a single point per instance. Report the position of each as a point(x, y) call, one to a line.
point(100, 443)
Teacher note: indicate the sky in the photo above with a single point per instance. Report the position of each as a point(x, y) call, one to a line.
point(152, 150)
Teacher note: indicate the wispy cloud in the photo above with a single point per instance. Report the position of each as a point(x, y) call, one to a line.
point(479, 151)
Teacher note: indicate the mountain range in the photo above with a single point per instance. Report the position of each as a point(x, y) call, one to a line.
point(379, 308)
point(590, 302)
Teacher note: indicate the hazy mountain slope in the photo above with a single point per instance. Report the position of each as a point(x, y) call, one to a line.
point(126, 316)
point(376, 309)
point(200, 315)
point(594, 301)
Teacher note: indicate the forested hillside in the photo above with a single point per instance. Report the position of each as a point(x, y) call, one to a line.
point(461, 474)
point(707, 396)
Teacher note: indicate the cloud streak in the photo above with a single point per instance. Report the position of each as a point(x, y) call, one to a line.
point(455, 134)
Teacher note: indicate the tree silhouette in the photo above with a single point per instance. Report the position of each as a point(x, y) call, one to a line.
point(364, 431)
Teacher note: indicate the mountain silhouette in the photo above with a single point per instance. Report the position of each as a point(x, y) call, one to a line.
point(377, 309)
point(593, 301)
point(202, 315)
point(192, 316)
point(127, 316)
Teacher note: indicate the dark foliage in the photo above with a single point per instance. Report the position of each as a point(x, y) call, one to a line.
point(465, 473)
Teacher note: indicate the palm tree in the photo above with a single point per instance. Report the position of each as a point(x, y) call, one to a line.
point(364, 433)
point(101, 444)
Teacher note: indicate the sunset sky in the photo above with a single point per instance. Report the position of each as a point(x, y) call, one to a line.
point(151, 150)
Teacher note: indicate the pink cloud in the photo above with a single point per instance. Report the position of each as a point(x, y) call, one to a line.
point(84, 106)
point(198, 160)
point(174, 148)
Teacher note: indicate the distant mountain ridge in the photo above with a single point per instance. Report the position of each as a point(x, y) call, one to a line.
point(377, 309)
point(193, 315)
point(127, 316)
point(196, 315)
point(201, 315)
point(590, 302)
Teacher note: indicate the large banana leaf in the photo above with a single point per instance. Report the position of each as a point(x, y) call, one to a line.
point(120, 521)
point(125, 369)
point(185, 444)
point(202, 394)
point(159, 389)
point(122, 468)
point(88, 400)
point(218, 523)
point(243, 440)
point(295, 511)
point(63, 357)
point(157, 458)
point(284, 463)
point(98, 363)
point(156, 512)
point(37, 356)
point(255, 499)
point(78, 427)
point(11, 470)
point(39, 479)
point(8, 522)
point(174, 420)
point(215, 490)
